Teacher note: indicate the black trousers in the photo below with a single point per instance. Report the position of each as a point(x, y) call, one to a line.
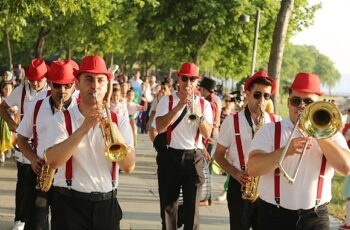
point(178, 168)
point(273, 218)
point(243, 213)
point(25, 194)
point(41, 213)
point(72, 213)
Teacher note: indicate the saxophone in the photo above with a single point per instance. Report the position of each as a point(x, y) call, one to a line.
point(250, 189)
point(45, 178)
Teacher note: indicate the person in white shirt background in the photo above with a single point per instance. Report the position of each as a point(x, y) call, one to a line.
point(181, 161)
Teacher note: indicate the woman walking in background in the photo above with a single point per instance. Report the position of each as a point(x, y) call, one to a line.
point(6, 136)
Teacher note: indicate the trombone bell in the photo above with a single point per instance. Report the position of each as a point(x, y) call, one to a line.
point(320, 120)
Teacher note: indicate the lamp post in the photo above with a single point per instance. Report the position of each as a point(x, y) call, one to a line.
point(245, 18)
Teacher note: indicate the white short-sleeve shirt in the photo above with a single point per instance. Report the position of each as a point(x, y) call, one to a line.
point(183, 136)
point(301, 194)
point(91, 170)
point(14, 99)
point(228, 140)
point(44, 116)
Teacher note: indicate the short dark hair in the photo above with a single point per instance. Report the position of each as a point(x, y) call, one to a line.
point(260, 81)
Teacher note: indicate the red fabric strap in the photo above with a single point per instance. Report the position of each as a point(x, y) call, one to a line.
point(170, 127)
point(48, 93)
point(21, 112)
point(272, 117)
point(35, 115)
point(237, 135)
point(277, 170)
point(69, 168)
point(320, 180)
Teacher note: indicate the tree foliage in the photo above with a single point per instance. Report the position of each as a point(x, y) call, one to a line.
point(148, 34)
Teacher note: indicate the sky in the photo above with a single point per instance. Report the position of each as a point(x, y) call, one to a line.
point(330, 34)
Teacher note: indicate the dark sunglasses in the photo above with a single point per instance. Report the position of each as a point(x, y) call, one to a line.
point(296, 101)
point(185, 79)
point(58, 86)
point(257, 95)
point(228, 101)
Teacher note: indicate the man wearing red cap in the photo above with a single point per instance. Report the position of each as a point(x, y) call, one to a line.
point(236, 134)
point(302, 204)
point(85, 185)
point(21, 97)
point(35, 123)
point(180, 160)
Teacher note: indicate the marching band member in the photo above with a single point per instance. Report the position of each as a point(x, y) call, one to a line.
point(85, 185)
point(21, 97)
point(35, 123)
point(235, 135)
point(180, 160)
point(302, 205)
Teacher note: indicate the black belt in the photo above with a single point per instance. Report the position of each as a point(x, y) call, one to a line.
point(298, 211)
point(92, 196)
point(188, 151)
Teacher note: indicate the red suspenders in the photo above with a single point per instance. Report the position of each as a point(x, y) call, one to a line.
point(69, 166)
point(35, 115)
point(237, 135)
point(277, 171)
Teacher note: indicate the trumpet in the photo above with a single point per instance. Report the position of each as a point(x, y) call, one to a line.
point(116, 149)
point(45, 178)
point(320, 120)
point(192, 117)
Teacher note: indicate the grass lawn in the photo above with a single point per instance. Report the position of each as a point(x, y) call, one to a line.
point(337, 205)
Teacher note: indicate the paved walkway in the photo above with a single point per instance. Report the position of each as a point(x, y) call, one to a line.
point(137, 194)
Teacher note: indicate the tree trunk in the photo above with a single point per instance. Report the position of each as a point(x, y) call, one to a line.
point(68, 53)
point(9, 51)
point(112, 59)
point(40, 42)
point(277, 46)
point(195, 55)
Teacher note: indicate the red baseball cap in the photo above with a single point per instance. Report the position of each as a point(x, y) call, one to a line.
point(189, 69)
point(93, 64)
point(306, 83)
point(257, 75)
point(36, 70)
point(61, 72)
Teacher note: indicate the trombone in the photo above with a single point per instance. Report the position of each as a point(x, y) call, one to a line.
point(320, 120)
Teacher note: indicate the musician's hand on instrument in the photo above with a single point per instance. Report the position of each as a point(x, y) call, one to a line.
point(36, 165)
point(212, 141)
point(297, 145)
point(242, 177)
point(92, 119)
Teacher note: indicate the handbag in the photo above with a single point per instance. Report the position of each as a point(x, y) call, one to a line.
point(160, 141)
